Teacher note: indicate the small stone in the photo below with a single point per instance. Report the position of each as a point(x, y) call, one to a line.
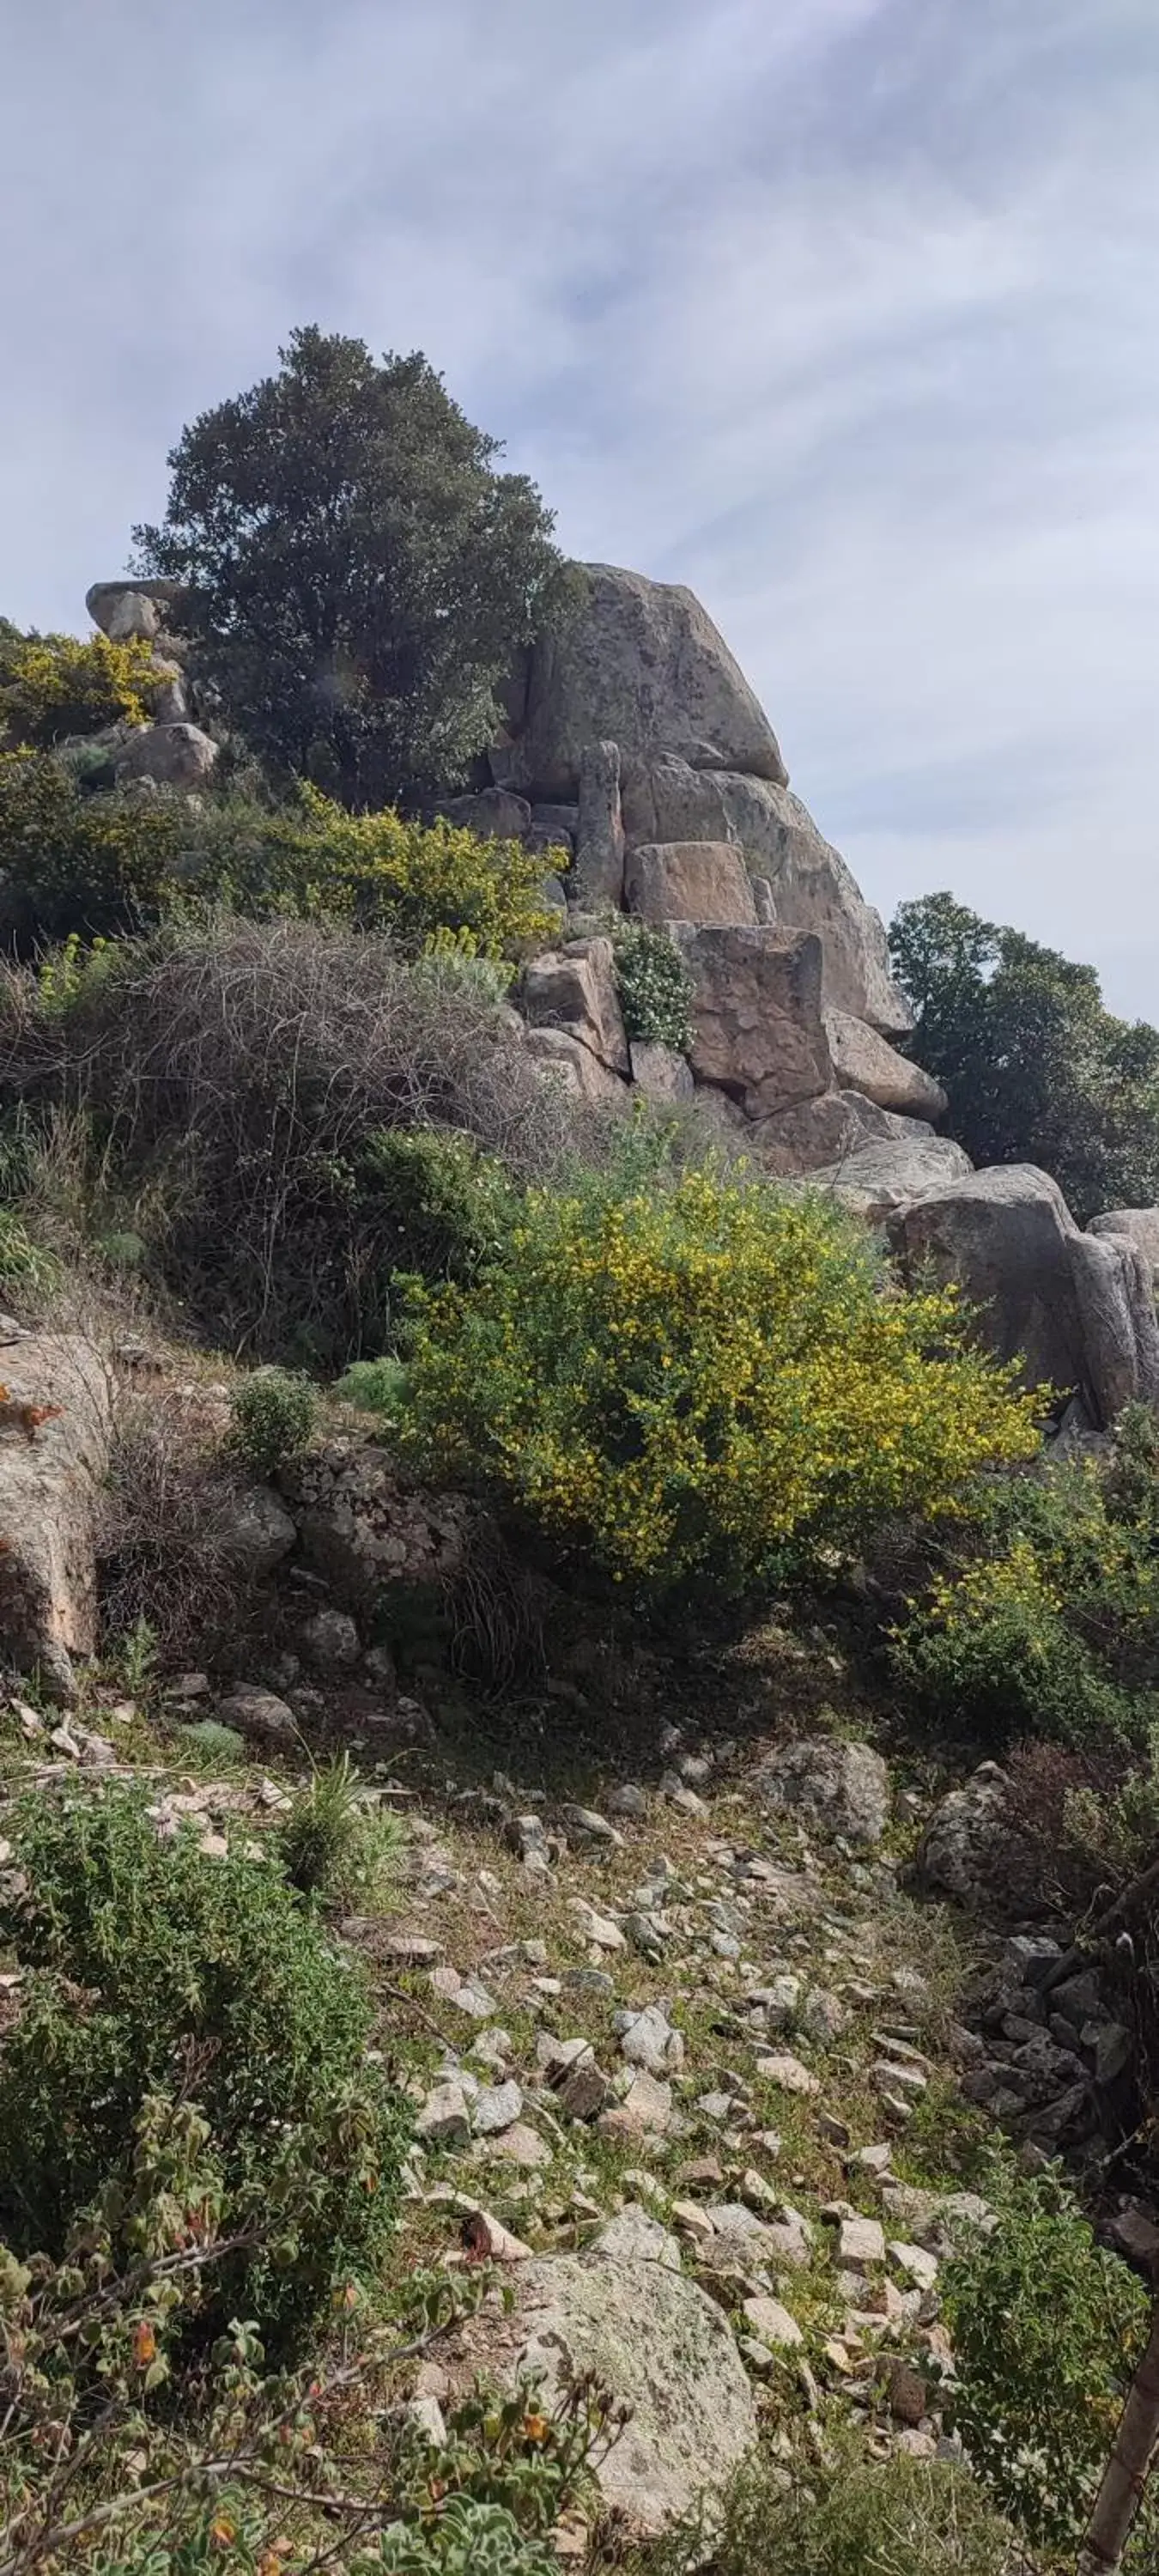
point(497, 2108)
point(594, 1927)
point(259, 1713)
point(521, 2145)
point(788, 2074)
point(908, 2394)
point(772, 2324)
point(331, 1642)
point(875, 2159)
point(717, 2107)
point(487, 2237)
point(1113, 2051)
point(426, 2412)
point(582, 2089)
point(647, 2105)
point(634, 2237)
point(897, 2079)
point(444, 2120)
point(861, 2241)
point(588, 1981)
point(648, 2040)
point(916, 2263)
point(629, 1800)
point(590, 1826)
point(401, 1948)
point(692, 2220)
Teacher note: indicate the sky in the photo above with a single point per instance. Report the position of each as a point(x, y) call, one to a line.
point(845, 312)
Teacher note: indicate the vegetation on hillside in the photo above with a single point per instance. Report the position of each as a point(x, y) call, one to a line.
point(363, 570)
point(1037, 1070)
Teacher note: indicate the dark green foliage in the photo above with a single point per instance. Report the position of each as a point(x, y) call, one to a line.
point(450, 1204)
point(1047, 2329)
point(273, 1414)
point(152, 1969)
point(1036, 1069)
point(1043, 1617)
point(362, 570)
point(75, 862)
point(655, 986)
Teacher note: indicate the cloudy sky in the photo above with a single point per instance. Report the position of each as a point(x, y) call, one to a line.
point(843, 311)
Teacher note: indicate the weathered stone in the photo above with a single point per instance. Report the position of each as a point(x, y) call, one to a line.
point(772, 2324)
point(660, 1071)
point(331, 1642)
point(253, 1531)
point(892, 1172)
point(788, 2074)
point(649, 2040)
point(55, 1427)
point(124, 608)
point(639, 663)
point(1139, 1225)
point(701, 881)
point(756, 1015)
point(362, 1526)
point(646, 2105)
point(860, 2241)
point(965, 1837)
point(258, 1713)
point(819, 1134)
point(595, 1927)
point(865, 1061)
point(1076, 1308)
point(635, 2237)
point(172, 755)
point(167, 694)
point(496, 2107)
point(598, 874)
point(810, 886)
point(567, 1060)
point(493, 815)
point(843, 1787)
point(574, 988)
point(661, 2348)
point(444, 2120)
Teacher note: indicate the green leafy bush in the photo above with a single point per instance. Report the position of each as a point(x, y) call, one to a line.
point(1047, 2329)
point(699, 1379)
point(654, 984)
point(842, 2514)
point(468, 2539)
point(54, 685)
point(333, 1842)
point(1044, 1617)
point(272, 1416)
point(1036, 1069)
point(75, 862)
point(201, 1977)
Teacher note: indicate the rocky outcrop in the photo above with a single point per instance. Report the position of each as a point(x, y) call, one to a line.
point(574, 989)
point(864, 1061)
point(56, 1411)
point(756, 1015)
point(1077, 1309)
point(812, 889)
point(625, 2311)
point(1139, 1225)
point(701, 881)
point(170, 755)
point(362, 1527)
point(638, 663)
point(892, 1172)
point(124, 608)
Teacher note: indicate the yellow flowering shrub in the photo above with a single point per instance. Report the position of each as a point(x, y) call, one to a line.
point(701, 1379)
point(423, 882)
point(1044, 1617)
point(56, 685)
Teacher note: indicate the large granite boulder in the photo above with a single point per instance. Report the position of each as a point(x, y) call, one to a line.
point(574, 988)
point(625, 2311)
point(820, 1134)
point(757, 1024)
point(639, 663)
point(598, 875)
point(1139, 1225)
point(124, 608)
point(864, 1061)
point(55, 1430)
point(892, 1171)
point(172, 755)
point(668, 799)
point(701, 881)
point(1077, 1309)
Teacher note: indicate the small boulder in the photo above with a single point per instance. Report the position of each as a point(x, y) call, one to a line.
point(331, 1642)
point(865, 1061)
point(966, 1836)
point(253, 1531)
point(171, 755)
point(259, 1714)
point(843, 1788)
point(574, 988)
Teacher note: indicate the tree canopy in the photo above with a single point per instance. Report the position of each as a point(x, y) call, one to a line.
point(1037, 1070)
point(361, 570)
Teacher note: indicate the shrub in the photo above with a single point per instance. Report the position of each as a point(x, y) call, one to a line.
point(418, 881)
point(1045, 1616)
point(841, 2514)
point(333, 1843)
point(244, 1075)
point(77, 862)
point(202, 1978)
point(1047, 2329)
point(704, 1378)
point(54, 685)
point(273, 1414)
point(655, 986)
